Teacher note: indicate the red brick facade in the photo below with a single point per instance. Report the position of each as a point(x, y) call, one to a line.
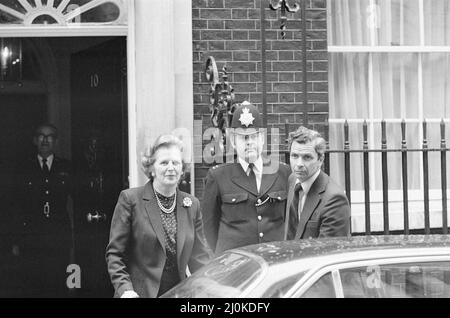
point(229, 30)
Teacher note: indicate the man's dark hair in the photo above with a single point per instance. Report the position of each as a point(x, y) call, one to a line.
point(304, 135)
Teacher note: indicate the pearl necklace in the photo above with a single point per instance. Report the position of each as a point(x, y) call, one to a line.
point(166, 210)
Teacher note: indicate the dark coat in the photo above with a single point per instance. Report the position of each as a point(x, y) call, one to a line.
point(231, 216)
point(326, 212)
point(136, 251)
point(33, 190)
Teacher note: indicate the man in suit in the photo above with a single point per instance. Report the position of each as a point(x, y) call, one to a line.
point(244, 201)
point(44, 225)
point(316, 205)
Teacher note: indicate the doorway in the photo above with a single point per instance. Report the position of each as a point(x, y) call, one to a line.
point(78, 84)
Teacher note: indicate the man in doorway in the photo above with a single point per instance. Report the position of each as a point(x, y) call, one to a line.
point(44, 224)
point(316, 205)
point(244, 201)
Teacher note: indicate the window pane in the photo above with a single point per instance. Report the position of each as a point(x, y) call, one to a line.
point(363, 282)
point(384, 22)
point(395, 85)
point(437, 22)
point(394, 159)
point(436, 85)
point(398, 22)
point(323, 288)
point(348, 22)
point(337, 163)
point(416, 280)
point(279, 289)
point(349, 94)
point(434, 157)
point(13, 4)
point(107, 12)
point(226, 276)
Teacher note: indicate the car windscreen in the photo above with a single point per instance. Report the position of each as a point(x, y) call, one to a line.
point(225, 276)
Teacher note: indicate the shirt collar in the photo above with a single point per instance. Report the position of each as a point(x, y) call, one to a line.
point(307, 184)
point(258, 165)
point(49, 160)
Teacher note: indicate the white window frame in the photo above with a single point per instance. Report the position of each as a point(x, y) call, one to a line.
point(358, 196)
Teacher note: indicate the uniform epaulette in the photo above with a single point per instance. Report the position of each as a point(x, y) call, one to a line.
point(221, 165)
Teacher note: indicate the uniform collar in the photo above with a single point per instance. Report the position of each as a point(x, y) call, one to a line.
point(49, 160)
point(258, 165)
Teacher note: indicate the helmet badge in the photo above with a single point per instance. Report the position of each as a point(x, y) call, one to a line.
point(246, 117)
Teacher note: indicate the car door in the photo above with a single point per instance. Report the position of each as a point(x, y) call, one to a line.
point(419, 277)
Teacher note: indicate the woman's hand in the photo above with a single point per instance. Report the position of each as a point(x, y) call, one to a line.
point(129, 294)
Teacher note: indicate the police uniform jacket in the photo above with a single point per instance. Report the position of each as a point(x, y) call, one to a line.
point(42, 202)
point(235, 214)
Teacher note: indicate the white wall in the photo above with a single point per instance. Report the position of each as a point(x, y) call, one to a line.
point(163, 75)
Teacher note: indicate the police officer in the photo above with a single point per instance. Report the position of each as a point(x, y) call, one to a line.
point(244, 202)
point(44, 224)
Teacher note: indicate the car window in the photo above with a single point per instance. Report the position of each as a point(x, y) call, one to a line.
point(430, 279)
point(280, 288)
point(225, 276)
point(323, 288)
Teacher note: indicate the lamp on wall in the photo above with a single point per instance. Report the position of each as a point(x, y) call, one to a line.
point(11, 60)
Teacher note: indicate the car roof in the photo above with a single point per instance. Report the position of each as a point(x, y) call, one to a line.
point(282, 251)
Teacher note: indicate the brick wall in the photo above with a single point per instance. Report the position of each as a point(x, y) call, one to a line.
point(229, 30)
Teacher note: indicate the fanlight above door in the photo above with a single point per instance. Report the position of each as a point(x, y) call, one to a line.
point(63, 12)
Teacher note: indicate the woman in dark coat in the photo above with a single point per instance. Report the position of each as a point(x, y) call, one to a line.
point(156, 230)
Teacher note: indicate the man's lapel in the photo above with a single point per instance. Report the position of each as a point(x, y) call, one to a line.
point(152, 210)
point(290, 196)
point(54, 165)
point(241, 179)
point(311, 202)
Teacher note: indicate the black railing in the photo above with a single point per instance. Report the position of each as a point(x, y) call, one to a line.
point(383, 151)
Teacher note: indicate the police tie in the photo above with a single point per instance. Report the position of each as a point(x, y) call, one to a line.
point(293, 211)
point(44, 166)
point(252, 176)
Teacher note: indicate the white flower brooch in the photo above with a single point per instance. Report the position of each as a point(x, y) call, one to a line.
point(187, 202)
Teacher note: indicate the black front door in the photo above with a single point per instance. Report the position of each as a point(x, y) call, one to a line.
point(99, 155)
point(80, 86)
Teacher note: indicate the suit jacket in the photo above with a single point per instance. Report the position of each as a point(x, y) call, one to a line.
point(326, 211)
point(232, 217)
point(34, 190)
point(136, 251)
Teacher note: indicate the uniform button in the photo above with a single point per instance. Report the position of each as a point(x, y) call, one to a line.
point(261, 234)
point(234, 200)
point(46, 180)
point(259, 201)
point(46, 192)
point(279, 198)
point(259, 217)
